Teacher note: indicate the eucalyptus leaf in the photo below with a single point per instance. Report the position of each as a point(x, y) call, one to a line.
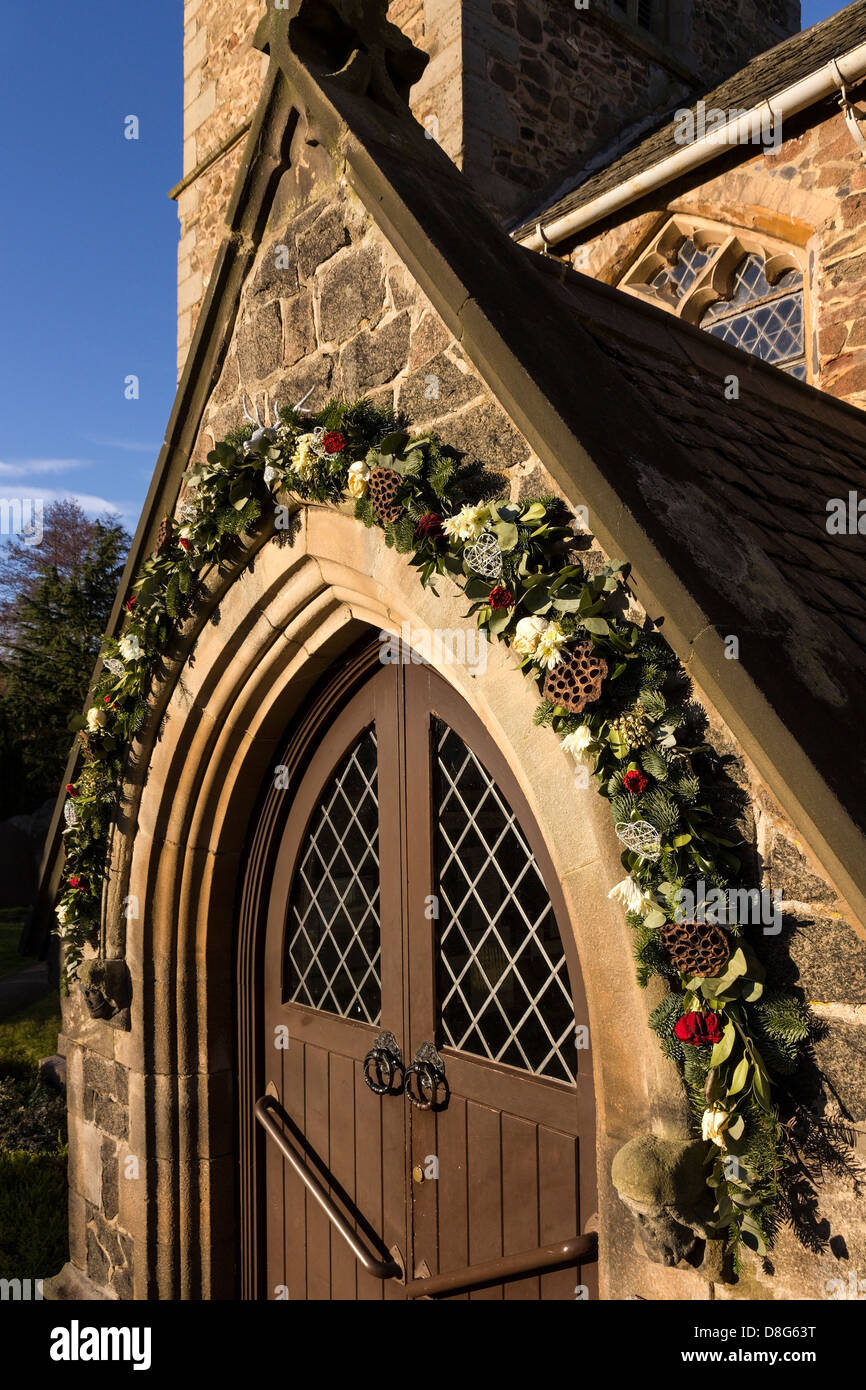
point(739, 1079)
point(722, 1050)
point(537, 600)
point(506, 534)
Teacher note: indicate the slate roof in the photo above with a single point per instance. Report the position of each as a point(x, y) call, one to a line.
point(761, 79)
point(740, 503)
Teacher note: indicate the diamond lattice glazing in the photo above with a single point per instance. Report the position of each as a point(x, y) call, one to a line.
point(503, 979)
point(332, 959)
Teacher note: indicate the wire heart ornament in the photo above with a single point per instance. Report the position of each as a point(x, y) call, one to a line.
point(485, 557)
point(116, 667)
point(640, 837)
point(70, 815)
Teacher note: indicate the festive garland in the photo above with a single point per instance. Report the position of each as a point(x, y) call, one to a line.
point(612, 690)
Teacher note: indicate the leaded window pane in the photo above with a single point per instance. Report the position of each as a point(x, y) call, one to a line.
point(332, 952)
point(503, 981)
point(763, 319)
point(673, 283)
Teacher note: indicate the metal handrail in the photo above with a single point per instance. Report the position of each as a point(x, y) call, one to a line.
point(379, 1269)
point(580, 1250)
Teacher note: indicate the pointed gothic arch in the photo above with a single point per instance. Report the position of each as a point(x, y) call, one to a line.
point(284, 620)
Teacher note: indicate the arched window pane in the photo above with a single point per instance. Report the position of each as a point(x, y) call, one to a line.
point(763, 319)
point(332, 947)
point(673, 283)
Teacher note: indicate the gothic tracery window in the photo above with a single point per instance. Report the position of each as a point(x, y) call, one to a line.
point(742, 288)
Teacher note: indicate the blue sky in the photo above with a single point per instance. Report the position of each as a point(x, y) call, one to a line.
point(88, 245)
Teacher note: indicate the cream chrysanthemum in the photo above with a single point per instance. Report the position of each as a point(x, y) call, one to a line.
point(550, 644)
point(467, 524)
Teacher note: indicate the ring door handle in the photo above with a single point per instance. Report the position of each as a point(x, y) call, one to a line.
point(382, 1065)
point(425, 1079)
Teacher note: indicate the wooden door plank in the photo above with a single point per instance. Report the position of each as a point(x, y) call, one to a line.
point(368, 1171)
point(317, 1130)
point(520, 1219)
point(453, 1189)
point(484, 1170)
point(558, 1204)
point(342, 1166)
point(295, 1228)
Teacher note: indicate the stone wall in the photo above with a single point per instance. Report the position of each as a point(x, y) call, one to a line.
point(811, 192)
point(222, 80)
point(98, 1112)
point(723, 37)
point(516, 92)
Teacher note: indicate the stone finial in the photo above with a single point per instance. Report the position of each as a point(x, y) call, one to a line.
point(350, 40)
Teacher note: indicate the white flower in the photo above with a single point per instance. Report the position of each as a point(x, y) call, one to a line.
point(713, 1125)
point(129, 648)
point(270, 474)
point(632, 897)
point(96, 719)
point(467, 524)
point(527, 634)
point(305, 454)
point(578, 743)
point(550, 643)
point(62, 911)
point(359, 475)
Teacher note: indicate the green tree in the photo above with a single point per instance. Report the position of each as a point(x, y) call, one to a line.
point(53, 639)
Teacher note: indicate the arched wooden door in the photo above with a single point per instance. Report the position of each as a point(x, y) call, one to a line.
point(413, 896)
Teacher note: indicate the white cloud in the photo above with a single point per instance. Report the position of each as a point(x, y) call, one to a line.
point(129, 446)
point(26, 468)
point(90, 504)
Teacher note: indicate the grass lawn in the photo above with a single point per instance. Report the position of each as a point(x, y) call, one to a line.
point(11, 922)
point(33, 1217)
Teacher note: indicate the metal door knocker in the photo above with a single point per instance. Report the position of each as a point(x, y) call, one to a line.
point(382, 1066)
point(428, 1071)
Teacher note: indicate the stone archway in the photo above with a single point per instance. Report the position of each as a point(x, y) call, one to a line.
point(282, 620)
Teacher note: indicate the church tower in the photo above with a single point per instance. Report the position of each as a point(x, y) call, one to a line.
point(517, 92)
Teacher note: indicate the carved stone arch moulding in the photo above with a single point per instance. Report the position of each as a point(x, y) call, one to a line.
point(275, 628)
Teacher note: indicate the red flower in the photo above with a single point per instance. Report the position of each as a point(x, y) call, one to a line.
point(501, 597)
point(429, 527)
point(184, 543)
point(106, 699)
point(635, 782)
point(71, 790)
point(130, 603)
point(76, 882)
point(699, 1029)
point(333, 442)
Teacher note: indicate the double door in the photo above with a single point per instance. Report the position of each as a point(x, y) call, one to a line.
point(421, 1049)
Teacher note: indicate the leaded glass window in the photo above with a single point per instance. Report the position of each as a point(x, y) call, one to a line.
point(749, 294)
point(764, 319)
point(502, 976)
point(332, 952)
